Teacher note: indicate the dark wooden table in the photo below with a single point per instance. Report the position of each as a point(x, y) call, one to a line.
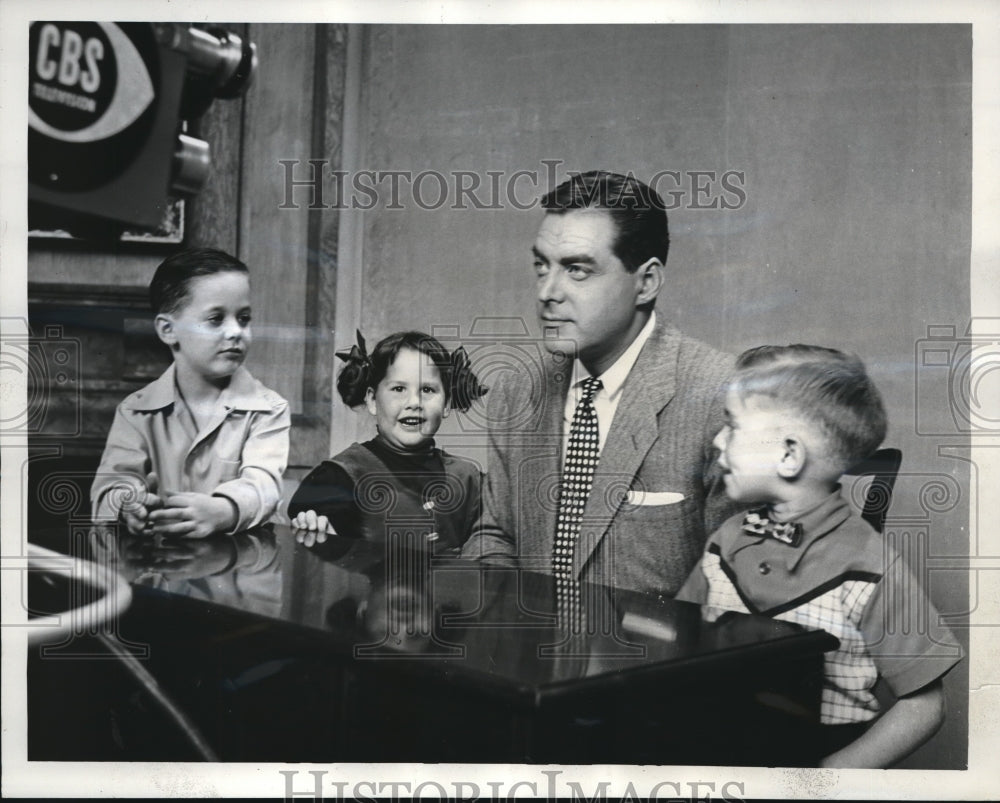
point(355, 651)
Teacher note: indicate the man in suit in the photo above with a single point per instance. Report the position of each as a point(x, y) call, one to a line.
point(656, 490)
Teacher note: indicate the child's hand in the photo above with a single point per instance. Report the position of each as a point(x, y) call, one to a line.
point(312, 528)
point(193, 515)
point(136, 516)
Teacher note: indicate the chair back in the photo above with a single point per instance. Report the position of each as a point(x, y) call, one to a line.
point(882, 466)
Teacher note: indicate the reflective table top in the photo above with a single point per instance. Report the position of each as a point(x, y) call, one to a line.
point(440, 615)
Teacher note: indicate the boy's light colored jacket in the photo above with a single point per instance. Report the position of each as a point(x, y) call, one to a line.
point(241, 452)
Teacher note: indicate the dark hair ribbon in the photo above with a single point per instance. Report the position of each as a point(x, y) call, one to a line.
point(465, 385)
point(358, 353)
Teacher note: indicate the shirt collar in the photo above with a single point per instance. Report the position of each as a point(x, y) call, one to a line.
point(157, 394)
point(428, 450)
point(242, 393)
point(816, 522)
point(613, 380)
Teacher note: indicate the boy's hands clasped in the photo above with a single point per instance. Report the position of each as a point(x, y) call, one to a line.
point(189, 515)
point(193, 515)
point(136, 515)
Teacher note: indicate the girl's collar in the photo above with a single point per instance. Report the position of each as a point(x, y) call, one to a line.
point(427, 451)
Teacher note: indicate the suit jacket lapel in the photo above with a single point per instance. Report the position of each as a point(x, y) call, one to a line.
point(544, 472)
point(651, 384)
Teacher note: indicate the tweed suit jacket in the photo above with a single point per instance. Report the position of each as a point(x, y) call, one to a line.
point(657, 490)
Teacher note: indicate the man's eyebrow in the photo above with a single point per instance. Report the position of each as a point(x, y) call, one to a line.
point(572, 259)
point(577, 259)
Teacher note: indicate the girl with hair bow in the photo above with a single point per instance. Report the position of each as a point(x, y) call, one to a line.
point(399, 479)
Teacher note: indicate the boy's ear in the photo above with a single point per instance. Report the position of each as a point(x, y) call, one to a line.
point(793, 458)
point(165, 329)
point(370, 401)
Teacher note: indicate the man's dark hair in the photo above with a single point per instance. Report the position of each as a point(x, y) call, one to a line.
point(171, 283)
point(637, 210)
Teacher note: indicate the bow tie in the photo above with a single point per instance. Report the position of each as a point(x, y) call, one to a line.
point(758, 523)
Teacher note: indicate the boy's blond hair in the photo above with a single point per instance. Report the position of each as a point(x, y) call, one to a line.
point(825, 387)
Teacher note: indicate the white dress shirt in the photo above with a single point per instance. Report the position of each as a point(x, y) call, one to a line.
point(607, 398)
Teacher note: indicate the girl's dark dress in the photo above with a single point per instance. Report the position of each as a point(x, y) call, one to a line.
point(371, 489)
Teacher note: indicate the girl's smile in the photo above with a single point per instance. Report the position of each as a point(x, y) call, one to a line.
point(409, 403)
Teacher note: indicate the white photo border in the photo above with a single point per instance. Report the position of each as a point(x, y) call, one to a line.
point(24, 778)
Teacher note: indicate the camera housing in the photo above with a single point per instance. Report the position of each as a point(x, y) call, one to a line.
point(108, 107)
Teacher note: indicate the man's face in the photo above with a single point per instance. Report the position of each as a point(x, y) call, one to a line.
point(584, 293)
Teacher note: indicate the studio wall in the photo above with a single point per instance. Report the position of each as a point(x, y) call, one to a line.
point(846, 221)
point(822, 178)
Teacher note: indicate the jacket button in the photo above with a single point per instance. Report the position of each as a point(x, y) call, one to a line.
point(764, 568)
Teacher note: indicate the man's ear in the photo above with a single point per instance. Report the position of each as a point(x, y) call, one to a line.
point(650, 277)
point(370, 401)
point(793, 458)
point(165, 329)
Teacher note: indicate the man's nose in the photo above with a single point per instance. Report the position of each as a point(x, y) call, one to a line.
point(413, 400)
point(550, 287)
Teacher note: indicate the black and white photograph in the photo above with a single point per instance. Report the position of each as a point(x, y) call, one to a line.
point(418, 400)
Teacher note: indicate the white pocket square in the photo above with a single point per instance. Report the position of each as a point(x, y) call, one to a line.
point(648, 498)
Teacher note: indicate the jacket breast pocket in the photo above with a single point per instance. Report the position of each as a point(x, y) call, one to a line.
point(655, 519)
point(656, 546)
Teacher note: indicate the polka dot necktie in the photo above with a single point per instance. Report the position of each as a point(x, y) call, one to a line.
point(582, 453)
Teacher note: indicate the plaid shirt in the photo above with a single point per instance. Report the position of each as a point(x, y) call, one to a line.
point(842, 578)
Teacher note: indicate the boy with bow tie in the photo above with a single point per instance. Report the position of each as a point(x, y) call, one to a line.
point(796, 418)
